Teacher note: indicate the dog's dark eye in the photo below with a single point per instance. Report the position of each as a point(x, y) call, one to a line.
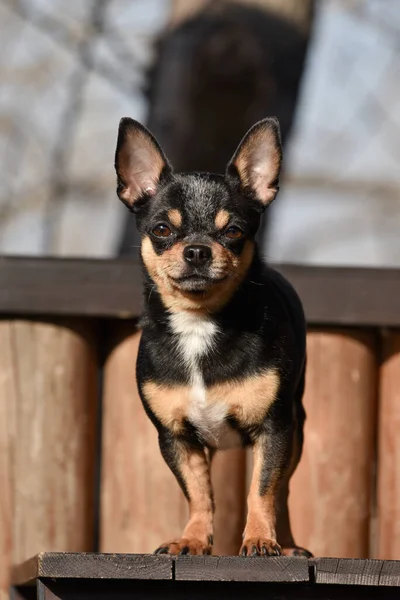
point(161, 230)
point(233, 233)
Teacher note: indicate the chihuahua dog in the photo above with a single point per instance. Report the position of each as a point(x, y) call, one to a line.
point(222, 355)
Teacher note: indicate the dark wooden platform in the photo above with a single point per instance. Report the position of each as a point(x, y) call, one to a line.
point(65, 576)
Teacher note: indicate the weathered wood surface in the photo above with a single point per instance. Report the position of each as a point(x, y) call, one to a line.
point(237, 568)
point(388, 493)
point(7, 435)
point(58, 565)
point(51, 286)
point(69, 565)
point(48, 390)
point(142, 505)
point(333, 571)
point(357, 572)
point(330, 498)
point(112, 288)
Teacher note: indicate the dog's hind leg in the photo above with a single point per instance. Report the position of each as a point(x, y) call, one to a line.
point(283, 527)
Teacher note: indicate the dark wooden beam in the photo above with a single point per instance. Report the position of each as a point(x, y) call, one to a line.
point(98, 288)
point(335, 296)
point(304, 577)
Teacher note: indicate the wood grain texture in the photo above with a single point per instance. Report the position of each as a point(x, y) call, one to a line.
point(70, 565)
point(330, 498)
point(50, 370)
point(390, 574)
point(7, 435)
point(112, 288)
point(388, 495)
point(51, 286)
point(228, 476)
point(236, 568)
point(57, 566)
point(357, 572)
point(142, 505)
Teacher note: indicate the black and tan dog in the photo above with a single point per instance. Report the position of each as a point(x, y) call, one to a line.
point(222, 355)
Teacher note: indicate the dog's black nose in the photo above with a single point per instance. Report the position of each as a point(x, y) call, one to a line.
point(197, 256)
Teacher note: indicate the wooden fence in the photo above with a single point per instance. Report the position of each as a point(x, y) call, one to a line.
point(80, 468)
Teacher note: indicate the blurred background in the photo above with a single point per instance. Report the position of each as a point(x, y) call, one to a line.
point(199, 74)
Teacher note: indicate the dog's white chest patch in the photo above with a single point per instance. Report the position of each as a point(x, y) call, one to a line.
point(195, 337)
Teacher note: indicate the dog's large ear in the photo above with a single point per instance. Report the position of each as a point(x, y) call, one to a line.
point(140, 163)
point(257, 161)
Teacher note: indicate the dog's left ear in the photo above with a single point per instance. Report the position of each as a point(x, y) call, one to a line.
point(257, 161)
point(140, 163)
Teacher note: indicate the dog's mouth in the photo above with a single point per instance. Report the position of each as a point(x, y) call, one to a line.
point(196, 283)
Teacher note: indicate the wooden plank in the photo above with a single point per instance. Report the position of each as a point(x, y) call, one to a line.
point(64, 565)
point(112, 288)
point(346, 296)
point(390, 574)
point(50, 286)
point(91, 566)
point(237, 568)
point(357, 572)
point(70, 565)
point(330, 498)
point(228, 476)
point(347, 571)
point(52, 372)
point(388, 496)
point(7, 428)
point(142, 505)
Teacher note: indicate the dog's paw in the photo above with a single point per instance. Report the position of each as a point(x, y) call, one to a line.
point(184, 546)
point(259, 547)
point(296, 551)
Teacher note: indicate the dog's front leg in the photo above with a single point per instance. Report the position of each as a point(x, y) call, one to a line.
point(191, 468)
point(270, 452)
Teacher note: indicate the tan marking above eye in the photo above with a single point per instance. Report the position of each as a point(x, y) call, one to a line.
point(175, 217)
point(222, 219)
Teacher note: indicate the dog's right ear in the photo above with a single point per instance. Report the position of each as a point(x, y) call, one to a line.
point(257, 162)
point(140, 163)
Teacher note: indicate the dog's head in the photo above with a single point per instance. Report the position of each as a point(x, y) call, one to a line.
point(197, 229)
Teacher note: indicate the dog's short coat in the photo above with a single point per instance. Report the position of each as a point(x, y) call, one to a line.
point(222, 354)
